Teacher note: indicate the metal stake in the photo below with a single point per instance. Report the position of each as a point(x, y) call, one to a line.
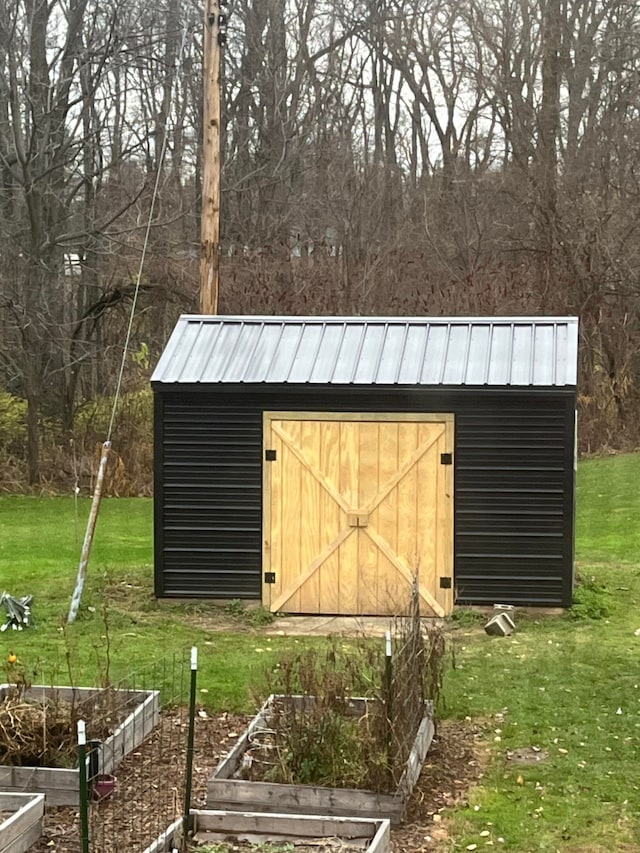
point(190, 742)
point(389, 700)
point(84, 787)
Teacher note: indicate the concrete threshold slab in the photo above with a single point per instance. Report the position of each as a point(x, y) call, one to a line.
point(326, 626)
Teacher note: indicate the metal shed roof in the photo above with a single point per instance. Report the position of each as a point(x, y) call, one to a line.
point(493, 351)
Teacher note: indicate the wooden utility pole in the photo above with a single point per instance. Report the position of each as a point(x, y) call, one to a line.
point(214, 39)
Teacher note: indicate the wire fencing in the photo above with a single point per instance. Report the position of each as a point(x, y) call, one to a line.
point(415, 659)
point(130, 769)
point(138, 780)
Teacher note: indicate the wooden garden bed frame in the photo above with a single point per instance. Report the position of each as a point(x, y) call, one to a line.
point(216, 825)
point(225, 791)
point(24, 827)
point(62, 786)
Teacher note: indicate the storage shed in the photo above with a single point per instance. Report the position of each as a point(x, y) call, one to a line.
point(320, 464)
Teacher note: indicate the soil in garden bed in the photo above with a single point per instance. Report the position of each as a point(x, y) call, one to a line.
point(312, 845)
point(454, 763)
point(135, 815)
point(41, 732)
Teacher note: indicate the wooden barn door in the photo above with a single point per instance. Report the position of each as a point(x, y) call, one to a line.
point(355, 508)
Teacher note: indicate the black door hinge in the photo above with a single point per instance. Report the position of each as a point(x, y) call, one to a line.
point(270, 456)
point(446, 458)
point(269, 577)
point(445, 583)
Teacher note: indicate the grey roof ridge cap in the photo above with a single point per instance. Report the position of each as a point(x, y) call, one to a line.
point(569, 386)
point(364, 318)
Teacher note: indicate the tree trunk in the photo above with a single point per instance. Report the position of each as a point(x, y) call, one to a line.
point(33, 396)
point(548, 129)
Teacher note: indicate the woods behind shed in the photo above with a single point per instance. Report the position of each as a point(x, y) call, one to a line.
point(320, 463)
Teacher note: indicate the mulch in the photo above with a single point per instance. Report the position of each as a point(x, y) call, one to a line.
point(149, 789)
point(455, 762)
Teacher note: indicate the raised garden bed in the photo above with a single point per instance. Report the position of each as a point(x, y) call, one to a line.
point(135, 715)
point(249, 831)
point(228, 790)
point(20, 821)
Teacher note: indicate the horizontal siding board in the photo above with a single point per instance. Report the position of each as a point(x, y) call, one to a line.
point(511, 547)
point(513, 484)
point(503, 526)
point(189, 515)
point(485, 591)
point(496, 566)
point(510, 479)
point(224, 569)
point(234, 479)
point(485, 458)
point(491, 524)
point(516, 507)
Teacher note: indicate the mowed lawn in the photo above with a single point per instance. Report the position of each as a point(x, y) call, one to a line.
point(568, 686)
point(120, 624)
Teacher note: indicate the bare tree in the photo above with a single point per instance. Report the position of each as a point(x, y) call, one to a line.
point(61, 216)
point(459, 155)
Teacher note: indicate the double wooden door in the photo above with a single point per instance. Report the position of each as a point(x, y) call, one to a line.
point(355, 508)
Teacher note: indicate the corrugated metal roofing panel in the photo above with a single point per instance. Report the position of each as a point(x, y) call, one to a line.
point(328, 354)
point(285, 353)
point(449, 351)
point(391, 354)
point(434, 355)
point(310, 340)
point(500, 355)
point(211, 355)
point(455, 363)
point(521, 356)
point(543, 346)
point(262, 357)
point(347, 358)
point(479, 350)
point(247, 342)
point(412, 357)
point(370, 354)
point(180, 345)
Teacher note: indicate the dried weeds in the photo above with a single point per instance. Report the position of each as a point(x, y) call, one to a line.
point(40, 730)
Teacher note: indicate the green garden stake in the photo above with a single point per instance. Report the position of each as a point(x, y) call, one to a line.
point(190, 741)
point(84, 787)
point(388, 677)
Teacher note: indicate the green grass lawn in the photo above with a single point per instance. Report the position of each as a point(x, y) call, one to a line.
point(568, 685)
point(40, 546)
point(608, 510)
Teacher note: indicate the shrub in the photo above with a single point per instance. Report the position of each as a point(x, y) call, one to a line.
point(67, 460)
point(13, 423)
point(466, 617)
point(260, 616)
point(590, 601)
point(130, 470)
point(235, 607)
